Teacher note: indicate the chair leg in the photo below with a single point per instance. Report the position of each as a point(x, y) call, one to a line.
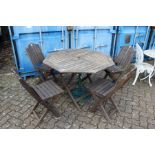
point(71, 78)
point(52, 108)
point(99, 103)
point(104, 112)
point(69, 92)
point(89, 77)
point(111, 100)
point(106, 75)
point(41, 118)
point(94, 108)
point(54, 77)
point(35, 106)
point(137, 75)
point(35, 114)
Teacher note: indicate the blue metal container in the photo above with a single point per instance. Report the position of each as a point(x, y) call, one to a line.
point(130, 35)
point(50, 38)
point(97, 38)
point(152, 40)
point(106, 39)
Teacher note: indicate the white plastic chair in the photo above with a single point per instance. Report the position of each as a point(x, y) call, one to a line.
point(142, 66)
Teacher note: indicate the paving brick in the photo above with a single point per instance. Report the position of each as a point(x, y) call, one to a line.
point(151, 126)
point(4, 120)
point(84, 119)
point(26, 123)
point(6, 125)
point(88, 126)
point(95, 120)
point(75, 126)
point(15, 114)
point(15, 121)
point(135, 115)
point(119, 121)
point(127, 125)
point(62, 125)
point(128, 108)
point(135, 122)
point(102, 124)
point(136, 127)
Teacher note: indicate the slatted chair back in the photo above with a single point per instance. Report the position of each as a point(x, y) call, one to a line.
point(27, 86)
point(125, 57)
point(30, 90)
point(123, 78)
point(35, 54)
point(121, 54)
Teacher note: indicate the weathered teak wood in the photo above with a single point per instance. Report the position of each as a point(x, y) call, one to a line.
point(36, 56)
point(122, 62)
point(77, 61)
point(42, 93)
point(69, 92)
point(103, 89)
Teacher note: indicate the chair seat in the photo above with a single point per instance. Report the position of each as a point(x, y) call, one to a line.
point(101, 87)
point(114, 69)
point(47, 89)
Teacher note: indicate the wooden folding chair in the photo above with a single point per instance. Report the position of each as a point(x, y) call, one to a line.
point(103, 89)
point(122, 62)
point(44, 93)
point(36, 56)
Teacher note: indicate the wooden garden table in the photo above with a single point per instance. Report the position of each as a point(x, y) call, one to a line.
point(77, 61)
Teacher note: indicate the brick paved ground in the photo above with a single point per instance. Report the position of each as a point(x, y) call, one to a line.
point(136, 103)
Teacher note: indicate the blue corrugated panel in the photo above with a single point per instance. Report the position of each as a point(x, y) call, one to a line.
point(97, 38)
point(152, 40)
point(106, 39)
point(50, 38)
point(130, 35)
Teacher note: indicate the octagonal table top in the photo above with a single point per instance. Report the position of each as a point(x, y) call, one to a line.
point(78, 61)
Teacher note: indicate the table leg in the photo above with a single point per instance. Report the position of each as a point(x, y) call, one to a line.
point(71, 78)
point(88, 76)
point(69, 93)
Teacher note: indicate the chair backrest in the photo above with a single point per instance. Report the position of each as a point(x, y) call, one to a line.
point(139, 54)
point(30, 89)
point(120, 55)
point(27, 86)
point(125, 56)
point(35, 54)
point(123, 78)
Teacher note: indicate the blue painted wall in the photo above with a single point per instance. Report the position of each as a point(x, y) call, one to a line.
point(97, 38)
point(106, 39)
point(152, 40)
